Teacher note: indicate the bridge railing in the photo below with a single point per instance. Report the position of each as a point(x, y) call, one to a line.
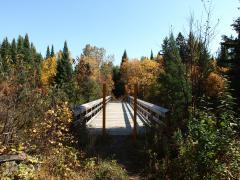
point(83, 113)
point(150, 112)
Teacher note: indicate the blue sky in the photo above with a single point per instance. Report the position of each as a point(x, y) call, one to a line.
point(135, 25)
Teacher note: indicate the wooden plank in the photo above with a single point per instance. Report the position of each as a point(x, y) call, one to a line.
point(119, 120)
point(104, 110)
point(13, 157)
point(85, 107)
point(157, 109)
point(135, 113)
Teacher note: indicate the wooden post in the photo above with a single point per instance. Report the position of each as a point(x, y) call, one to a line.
point(135, 113)
point(104, 109)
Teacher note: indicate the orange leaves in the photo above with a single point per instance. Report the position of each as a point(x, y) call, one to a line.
point(214, 84)
point(48, 70)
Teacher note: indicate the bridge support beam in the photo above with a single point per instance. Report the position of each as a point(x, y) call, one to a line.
point(104, 110)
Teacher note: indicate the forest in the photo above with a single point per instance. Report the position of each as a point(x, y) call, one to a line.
point(199, 140)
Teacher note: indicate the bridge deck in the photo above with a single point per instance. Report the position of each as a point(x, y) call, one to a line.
point(119, 120)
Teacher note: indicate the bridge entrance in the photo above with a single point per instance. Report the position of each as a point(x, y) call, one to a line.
point(119, 118)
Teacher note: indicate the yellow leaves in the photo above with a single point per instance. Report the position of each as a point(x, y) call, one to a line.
point(21, 147)
point(2, 149)
point(33, 159)
point(54, 130)
point(50, 111)
point(48, 70)
point(106, 76)
point(52, 142)
point(144, 72)
point(33, 146)
point(90, 69)
point(13, 150)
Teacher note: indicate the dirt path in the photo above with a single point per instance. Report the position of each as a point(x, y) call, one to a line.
point(122, 149)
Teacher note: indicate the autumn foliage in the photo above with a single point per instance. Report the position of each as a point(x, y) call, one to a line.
point(143, 73)
point(48, 70)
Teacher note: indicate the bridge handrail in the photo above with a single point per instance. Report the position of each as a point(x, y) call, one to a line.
point(85, 112)
point(149, 111)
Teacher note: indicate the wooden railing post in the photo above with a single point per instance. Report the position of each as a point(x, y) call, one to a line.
point(104, 109)
point(135, 113)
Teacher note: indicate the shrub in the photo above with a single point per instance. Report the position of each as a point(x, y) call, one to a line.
point(110, 170)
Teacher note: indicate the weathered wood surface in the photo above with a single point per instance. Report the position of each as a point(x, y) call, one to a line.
point(85, 112)
point(13, 157)
point(151, 112)
point(119, 120)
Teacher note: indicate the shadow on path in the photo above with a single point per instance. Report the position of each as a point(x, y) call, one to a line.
point(126, 118)
point(138, 116)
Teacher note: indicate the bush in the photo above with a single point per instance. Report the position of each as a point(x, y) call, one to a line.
point(110, 170)
point(209, 151)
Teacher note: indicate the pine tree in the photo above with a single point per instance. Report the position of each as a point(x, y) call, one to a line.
point(26, 43)
point(14, 51)
point(5, 49)
point(52, 51)
point(236, 27)
point(230, 57)
point(151, 56)
point(34, 51)
point(124, 57)
point(66, 54)
point(5, 53)
point(28, 56)
point(182, 46)
point(48, 52)
point(20, 45)
point(174, 80)
point(64, 67)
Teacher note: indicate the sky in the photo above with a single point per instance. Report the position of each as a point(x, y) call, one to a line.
point(135, 25)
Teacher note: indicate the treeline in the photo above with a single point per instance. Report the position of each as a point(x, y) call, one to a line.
point(200, 139)
point(36, 98)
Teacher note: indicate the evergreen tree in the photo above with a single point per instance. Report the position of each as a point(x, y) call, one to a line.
point(20, 45)
point(28, 56)
point(151, 56)
point(174, 81)
point(118, 90)
point(1, 66)
point(33, 49)
point(66, 54)
point(124, 57)
point(14, 51)
point(5, 52)
point(64, 67)
point(48, 52)
point(5, 49)
point(52, 51)
point(230, 57)
point(236, 27)
point(121, 84)
point(182, 46)
point(26, 43)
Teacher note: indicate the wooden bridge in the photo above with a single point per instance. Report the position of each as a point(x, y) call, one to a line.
point(119, 118)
